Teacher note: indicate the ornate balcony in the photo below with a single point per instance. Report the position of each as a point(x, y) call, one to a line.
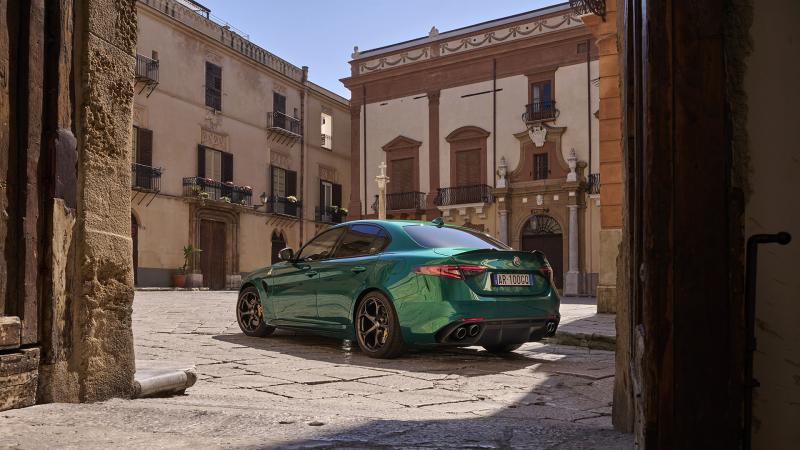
point(283, 128)
point(581, 7)
point(146, 73)
point(329, 214)
point(400, 201)
point(206, 189)
point(463, 195)
point(593, 184)
point(540, 112)
point(145, 178)
point(284, 206)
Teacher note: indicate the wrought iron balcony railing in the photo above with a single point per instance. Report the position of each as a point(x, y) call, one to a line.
point(206, 189)
point(328, 214)
point(278, 121)
point(327, 141)
point(284, 206)
point(540, 111)
point(145, 178)
point(146, 69)
point(581, 7)
point(593, 184)
point(461, 195)
point(402, 201)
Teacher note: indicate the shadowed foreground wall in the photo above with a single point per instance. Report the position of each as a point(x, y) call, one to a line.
point(88, 348)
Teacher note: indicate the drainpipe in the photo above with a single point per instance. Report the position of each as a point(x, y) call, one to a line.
point(494, 121)
point(589, 98)
point(301, 181)
point(364, 146)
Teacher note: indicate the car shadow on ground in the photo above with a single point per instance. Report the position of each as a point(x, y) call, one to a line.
point(468, 361)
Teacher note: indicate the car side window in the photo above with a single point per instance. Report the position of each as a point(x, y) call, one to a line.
point(362, 240)
point(321, 246)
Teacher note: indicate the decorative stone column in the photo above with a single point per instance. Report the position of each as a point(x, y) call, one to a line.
point(571, 280)
point(382, 180)
point(503, 225)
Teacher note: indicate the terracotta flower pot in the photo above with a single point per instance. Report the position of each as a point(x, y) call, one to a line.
point(179, 280)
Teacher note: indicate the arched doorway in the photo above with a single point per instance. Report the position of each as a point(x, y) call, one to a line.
point(135, 238)
point(278, 244)
point(542, 232)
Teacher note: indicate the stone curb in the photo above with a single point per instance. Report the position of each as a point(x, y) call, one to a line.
point(593, 341)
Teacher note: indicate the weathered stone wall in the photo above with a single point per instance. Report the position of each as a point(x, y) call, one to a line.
point(91, 348)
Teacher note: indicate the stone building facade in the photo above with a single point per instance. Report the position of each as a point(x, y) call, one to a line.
point(236, 152)
point(492, 126)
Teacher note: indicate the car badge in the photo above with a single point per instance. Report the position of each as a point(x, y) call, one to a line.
point(517, 261)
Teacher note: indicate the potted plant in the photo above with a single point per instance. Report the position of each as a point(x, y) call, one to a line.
point(291, 199)
point(179, 277)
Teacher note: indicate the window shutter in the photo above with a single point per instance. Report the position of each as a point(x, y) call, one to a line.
point(201, 161)
point(468, 168)
point(271, 180)
point(291, 183)
point(337, 195)
point(145, 142)
point(227, 167)
point(402, 175)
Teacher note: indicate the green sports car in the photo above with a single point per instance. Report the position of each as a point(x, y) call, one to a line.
point(389, 284)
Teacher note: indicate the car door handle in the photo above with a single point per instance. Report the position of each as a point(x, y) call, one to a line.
point(358, 269)
point(311, 273)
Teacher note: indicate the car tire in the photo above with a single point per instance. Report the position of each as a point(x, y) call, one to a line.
point(249, 314)
point(501, 348)
point(385, 341)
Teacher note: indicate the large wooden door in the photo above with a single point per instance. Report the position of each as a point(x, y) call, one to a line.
point(212, 257)
point(543, 233)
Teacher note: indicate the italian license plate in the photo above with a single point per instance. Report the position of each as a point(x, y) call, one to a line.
point(512, 279)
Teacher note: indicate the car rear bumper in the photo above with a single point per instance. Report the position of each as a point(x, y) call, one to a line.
point(497, 331)
point(521, 319)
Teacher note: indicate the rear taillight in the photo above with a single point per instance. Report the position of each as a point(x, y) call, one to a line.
point(546, 272)
point(458, 271)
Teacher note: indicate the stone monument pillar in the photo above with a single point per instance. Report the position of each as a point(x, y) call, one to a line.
point(382, 180)
point(572, 278)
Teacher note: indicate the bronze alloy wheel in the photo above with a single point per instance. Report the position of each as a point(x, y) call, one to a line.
point(250, 314)
point(377, 327)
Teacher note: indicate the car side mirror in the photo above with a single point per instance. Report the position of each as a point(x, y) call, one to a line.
point(286, 254)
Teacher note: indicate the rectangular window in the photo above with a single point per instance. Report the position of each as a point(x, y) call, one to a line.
point(278, 182)
point(541, 169)
point(541, 92)
point(326, 128)
point(327, 194)
point(213, 86)
point(402, 175)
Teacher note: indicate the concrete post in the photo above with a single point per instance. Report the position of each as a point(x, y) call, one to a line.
point(571, 280)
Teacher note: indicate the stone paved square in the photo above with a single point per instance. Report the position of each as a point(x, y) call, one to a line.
point(294, 391)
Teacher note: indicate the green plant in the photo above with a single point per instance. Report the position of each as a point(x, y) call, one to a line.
point(188, 256)
point(225, 199)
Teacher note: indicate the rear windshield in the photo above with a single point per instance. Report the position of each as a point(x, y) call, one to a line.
point(434, 237)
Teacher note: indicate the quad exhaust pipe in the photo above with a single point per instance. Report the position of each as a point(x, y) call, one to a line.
point(466, 330)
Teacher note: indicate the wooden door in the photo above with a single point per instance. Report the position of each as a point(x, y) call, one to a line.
point(212, 257)
point(552, 245)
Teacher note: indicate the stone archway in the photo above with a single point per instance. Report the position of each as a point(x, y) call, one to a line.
point(544, 233)
point(278, 244)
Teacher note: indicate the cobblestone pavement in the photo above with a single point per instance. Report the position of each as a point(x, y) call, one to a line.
point(297, 391)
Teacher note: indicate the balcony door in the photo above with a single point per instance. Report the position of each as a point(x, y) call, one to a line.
point(468, 168)
point(212, 258)
point(279, 109)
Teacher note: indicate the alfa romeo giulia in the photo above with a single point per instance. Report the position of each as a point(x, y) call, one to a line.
point(391, 284)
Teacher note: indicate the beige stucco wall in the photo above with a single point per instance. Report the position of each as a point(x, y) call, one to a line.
point(163, 231)
point(773, 97)
point(407, 116)
point(179, 119)
point(571, 99)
